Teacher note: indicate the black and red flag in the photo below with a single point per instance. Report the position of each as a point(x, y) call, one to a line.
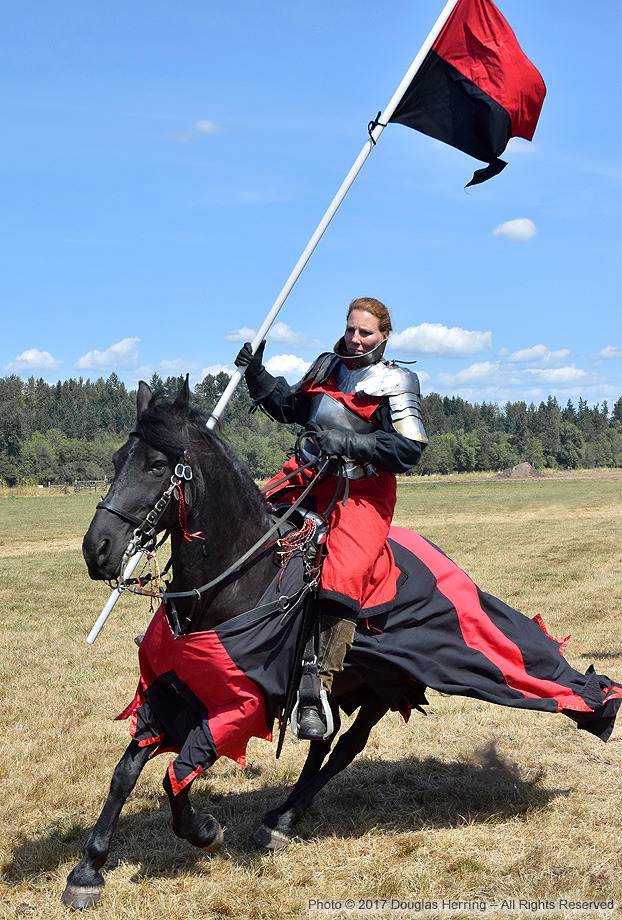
point(475, 88)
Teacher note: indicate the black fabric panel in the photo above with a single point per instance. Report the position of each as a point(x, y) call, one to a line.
point(173, 710)
point(443, 104)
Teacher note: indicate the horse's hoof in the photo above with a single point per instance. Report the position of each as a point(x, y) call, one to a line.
point(78, 897)
point(216, 843)
point(270, 839)
point(206, 835)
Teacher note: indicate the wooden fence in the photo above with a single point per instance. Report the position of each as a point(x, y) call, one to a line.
point(90, 485)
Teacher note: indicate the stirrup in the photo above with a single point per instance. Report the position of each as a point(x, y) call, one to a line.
point(326, 713)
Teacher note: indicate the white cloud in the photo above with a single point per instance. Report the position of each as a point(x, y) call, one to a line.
point(481, 372)
point(200, 128)
point(178, 366)
point(501, 380)
point(283, 334)
point(423, 376)
point(32, 360)
point(145, 372)
point(520, 230)
point(559, 375)
point(279, 334)
point(608, 353)
point(123, 354)
point(436, 339)
point(215, 369)
point(539, 354)
point(289, 366)
point(241, 335)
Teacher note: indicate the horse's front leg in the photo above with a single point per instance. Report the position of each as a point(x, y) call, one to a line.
point(85, 883)
point(199, 828)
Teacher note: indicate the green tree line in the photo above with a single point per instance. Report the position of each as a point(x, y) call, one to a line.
point(69, 430)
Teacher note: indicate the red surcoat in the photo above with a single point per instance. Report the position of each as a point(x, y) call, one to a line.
point(359, 569)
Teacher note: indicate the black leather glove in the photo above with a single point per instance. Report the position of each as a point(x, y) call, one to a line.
point(335, 443)
point(247, 361)
point(260, 383)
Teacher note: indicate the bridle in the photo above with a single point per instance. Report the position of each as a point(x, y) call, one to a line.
point(143, 538)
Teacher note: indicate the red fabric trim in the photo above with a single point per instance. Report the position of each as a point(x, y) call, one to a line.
point(157, 739)
point(404, 711)
point(363, 406)
point(359, 564)
point(480, 44)
point(562, 645)
point(177, 787)
point(479, 632)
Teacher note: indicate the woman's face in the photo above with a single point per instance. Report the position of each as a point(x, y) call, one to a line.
point(362, 332)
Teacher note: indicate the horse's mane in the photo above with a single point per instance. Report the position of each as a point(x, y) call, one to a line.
point(167, 429)
point(170, 430)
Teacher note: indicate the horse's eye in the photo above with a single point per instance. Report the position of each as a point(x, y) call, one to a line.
point(158, 465)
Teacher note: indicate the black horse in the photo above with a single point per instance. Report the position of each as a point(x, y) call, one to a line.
point(221, 500)
point(220, 494)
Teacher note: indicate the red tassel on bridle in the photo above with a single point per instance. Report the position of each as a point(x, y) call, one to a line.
point(183, 518)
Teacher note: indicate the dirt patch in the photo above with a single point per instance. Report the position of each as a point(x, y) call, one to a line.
point(520, 471)
point(31, 547)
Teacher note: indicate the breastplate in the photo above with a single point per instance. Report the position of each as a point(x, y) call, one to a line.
point(327, 412)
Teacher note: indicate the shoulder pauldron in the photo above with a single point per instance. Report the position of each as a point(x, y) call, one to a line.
point(401, 387)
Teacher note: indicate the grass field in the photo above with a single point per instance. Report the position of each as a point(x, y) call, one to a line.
point(471, 803)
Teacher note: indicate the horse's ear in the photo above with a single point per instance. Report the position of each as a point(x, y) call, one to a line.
point(143, 398)
point(182, 400)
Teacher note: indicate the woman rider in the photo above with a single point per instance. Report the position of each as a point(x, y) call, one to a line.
point(368, 413)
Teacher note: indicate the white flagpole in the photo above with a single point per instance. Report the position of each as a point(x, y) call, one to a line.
point(332, 210)
point(302, 261)
point(114, 597)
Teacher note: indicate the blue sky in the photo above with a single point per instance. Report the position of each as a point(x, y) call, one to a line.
point(164, 164)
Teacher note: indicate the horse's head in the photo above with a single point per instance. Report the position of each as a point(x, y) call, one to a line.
point(143, 470)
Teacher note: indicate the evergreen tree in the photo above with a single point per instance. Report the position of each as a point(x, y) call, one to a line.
point(516, 415)
point(571, 446)
point(466, 451)
point(69, 430)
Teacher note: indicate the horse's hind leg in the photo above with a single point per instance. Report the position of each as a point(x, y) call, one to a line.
point(198, 828)
point(278, 825)
point(85, 883)
point(277, 828)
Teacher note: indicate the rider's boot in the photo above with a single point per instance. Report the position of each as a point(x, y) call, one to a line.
point(336, 637)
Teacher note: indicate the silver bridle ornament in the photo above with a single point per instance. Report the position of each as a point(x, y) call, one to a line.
point(135, 548)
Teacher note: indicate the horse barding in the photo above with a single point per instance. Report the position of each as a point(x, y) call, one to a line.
point(217, 659)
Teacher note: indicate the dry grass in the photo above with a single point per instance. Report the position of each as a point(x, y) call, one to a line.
point(471, 801)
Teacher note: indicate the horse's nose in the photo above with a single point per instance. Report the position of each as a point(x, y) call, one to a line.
point(96, 554)
point(103, 552)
